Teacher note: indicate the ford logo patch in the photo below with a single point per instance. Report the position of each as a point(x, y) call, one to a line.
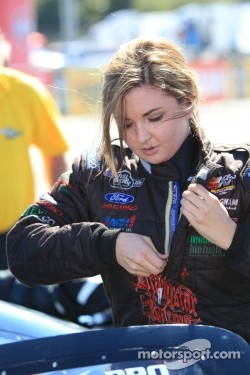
point(119, 198)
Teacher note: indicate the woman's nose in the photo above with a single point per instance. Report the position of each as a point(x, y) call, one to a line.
point(142, 133)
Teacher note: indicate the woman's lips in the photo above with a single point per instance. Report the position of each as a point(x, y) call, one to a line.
point(149, 150)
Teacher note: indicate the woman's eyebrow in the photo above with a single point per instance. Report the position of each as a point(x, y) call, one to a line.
point(150, 111)
point(146, 113)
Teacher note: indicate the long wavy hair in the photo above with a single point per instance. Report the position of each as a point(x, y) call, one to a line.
point(140, 62)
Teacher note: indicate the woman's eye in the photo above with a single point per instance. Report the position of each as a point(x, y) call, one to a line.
point(127, 126)
point(155, 119)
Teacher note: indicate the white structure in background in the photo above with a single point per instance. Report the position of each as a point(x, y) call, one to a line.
point(217, 28)
point(223, 27)
point(242, 36)
point(114, 29)
point(159, 23)
point(211, 30)
point(44, 59)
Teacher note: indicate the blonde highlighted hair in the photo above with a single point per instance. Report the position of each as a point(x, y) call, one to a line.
point(145, 61)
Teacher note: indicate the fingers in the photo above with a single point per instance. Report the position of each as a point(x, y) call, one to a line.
point(208, 215)
point(146, 268)
point(146, 261)
point(150, 262)
point(197, 202)
point(199, 192)
point(153, 248)
point(138, 255)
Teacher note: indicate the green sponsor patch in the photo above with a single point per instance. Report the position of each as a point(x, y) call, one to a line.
point(199, 245)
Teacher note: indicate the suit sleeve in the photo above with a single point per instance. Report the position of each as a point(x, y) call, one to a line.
point(55, 240)
point(238, 254)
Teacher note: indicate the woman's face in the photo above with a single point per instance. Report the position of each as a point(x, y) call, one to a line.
point(155, 124)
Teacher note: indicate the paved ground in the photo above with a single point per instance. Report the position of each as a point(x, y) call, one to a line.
point(224, 121)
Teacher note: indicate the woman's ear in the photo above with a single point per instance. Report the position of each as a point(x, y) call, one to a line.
point(188, 106)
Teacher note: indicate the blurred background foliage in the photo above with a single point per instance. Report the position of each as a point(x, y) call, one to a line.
point(91, 11)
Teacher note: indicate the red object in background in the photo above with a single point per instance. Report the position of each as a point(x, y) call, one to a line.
point(36, 40)
point(18, 24)
point(212, 77)
point(17, 21)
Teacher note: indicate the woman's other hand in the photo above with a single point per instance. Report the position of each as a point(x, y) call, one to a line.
point(207, 215)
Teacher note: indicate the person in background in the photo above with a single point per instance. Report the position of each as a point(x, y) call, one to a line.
point(162, 213)
point(29, 116)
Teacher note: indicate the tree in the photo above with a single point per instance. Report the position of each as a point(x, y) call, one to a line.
point(91, 11)
point(48, 17)
point(158, 5)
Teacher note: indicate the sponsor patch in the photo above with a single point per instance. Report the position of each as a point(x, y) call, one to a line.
point(51, 207)
point(199, 245)
point(47, 197)
point(246, 177)
point(47, 220)
point(125, 181)
point(229, 203)
point(33, 211)
point(92, 159)
point(163, 302)
point(39, 214)
point(117, 206)
point(119, 222)
point(63, 184)
point(119, 198)
point(222, 184)
point(247, 174)
point(107, 173)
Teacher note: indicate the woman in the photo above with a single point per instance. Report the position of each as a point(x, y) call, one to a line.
point(163, 215)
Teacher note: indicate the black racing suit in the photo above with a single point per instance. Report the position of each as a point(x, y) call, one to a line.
point(71, 233)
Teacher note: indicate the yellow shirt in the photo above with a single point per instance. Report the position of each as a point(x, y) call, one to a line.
point(28, 116)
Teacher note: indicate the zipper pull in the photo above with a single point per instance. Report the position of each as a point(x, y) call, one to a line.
point(160, 290)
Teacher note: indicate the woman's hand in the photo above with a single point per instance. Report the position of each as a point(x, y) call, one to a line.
point(138, 255)
point(207, 215)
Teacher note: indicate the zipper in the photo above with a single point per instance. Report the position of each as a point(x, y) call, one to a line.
point(171, 213)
